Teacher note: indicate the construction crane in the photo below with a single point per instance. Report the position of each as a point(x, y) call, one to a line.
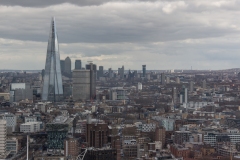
point(82, 155)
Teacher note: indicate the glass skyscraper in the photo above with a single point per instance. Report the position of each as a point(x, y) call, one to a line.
point(78, 64)
point(52, 85)
point(143, 70)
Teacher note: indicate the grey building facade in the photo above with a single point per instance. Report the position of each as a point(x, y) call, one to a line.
point(78, 64)
point(100, 72)
point(20, 91)
point(93, 73)
point(67, 66)
point(143, 70)
point(81, 85)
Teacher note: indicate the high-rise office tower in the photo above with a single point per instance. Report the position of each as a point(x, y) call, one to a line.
point(62, 64)
point(191, 86)
point(163, 78)
point(184, 95)
point(122, 72)
point(110, 73)
point(144, 70)
point(119, 71)
point(52, 85)
point(100, 72)
point(81, 85)
point(174, 95)
point(93, 72)
point(78, 64)
point(67, 66)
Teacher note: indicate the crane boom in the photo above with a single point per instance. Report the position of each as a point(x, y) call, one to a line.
point(82, 155)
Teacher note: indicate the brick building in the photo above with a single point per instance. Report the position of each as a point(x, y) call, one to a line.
point(71, 147)
point(97, 134)
point(180, 151)
point(160, 135)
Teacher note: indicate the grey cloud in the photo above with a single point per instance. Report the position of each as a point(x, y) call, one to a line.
point(110, 24)
point(168, 35)
point(45, 3)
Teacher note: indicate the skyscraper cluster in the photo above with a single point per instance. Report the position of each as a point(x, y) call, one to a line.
point(54, 69)
point(121, 72)
point(66, 66)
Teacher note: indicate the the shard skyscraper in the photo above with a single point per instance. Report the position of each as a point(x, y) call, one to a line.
point(52, 85)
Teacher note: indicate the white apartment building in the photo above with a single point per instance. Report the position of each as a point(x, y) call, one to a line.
point(30, 119)
point(198, 105)
point(10, 119)
point(211, 137)
point(30, 127)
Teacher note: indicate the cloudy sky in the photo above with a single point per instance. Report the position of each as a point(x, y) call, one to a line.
point(163, 34)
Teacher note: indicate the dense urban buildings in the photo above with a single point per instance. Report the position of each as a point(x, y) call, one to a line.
point(117, 114)
point(121, 115)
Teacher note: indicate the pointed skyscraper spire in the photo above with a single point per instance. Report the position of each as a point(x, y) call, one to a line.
point(52, 85)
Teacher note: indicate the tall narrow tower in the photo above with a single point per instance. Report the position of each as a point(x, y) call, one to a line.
point(93, 70)
point(143, 70)
point(163, 78)
point(52, 85)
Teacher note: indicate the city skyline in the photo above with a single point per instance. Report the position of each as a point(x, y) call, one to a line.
point(119, 80)
point(161, 34)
